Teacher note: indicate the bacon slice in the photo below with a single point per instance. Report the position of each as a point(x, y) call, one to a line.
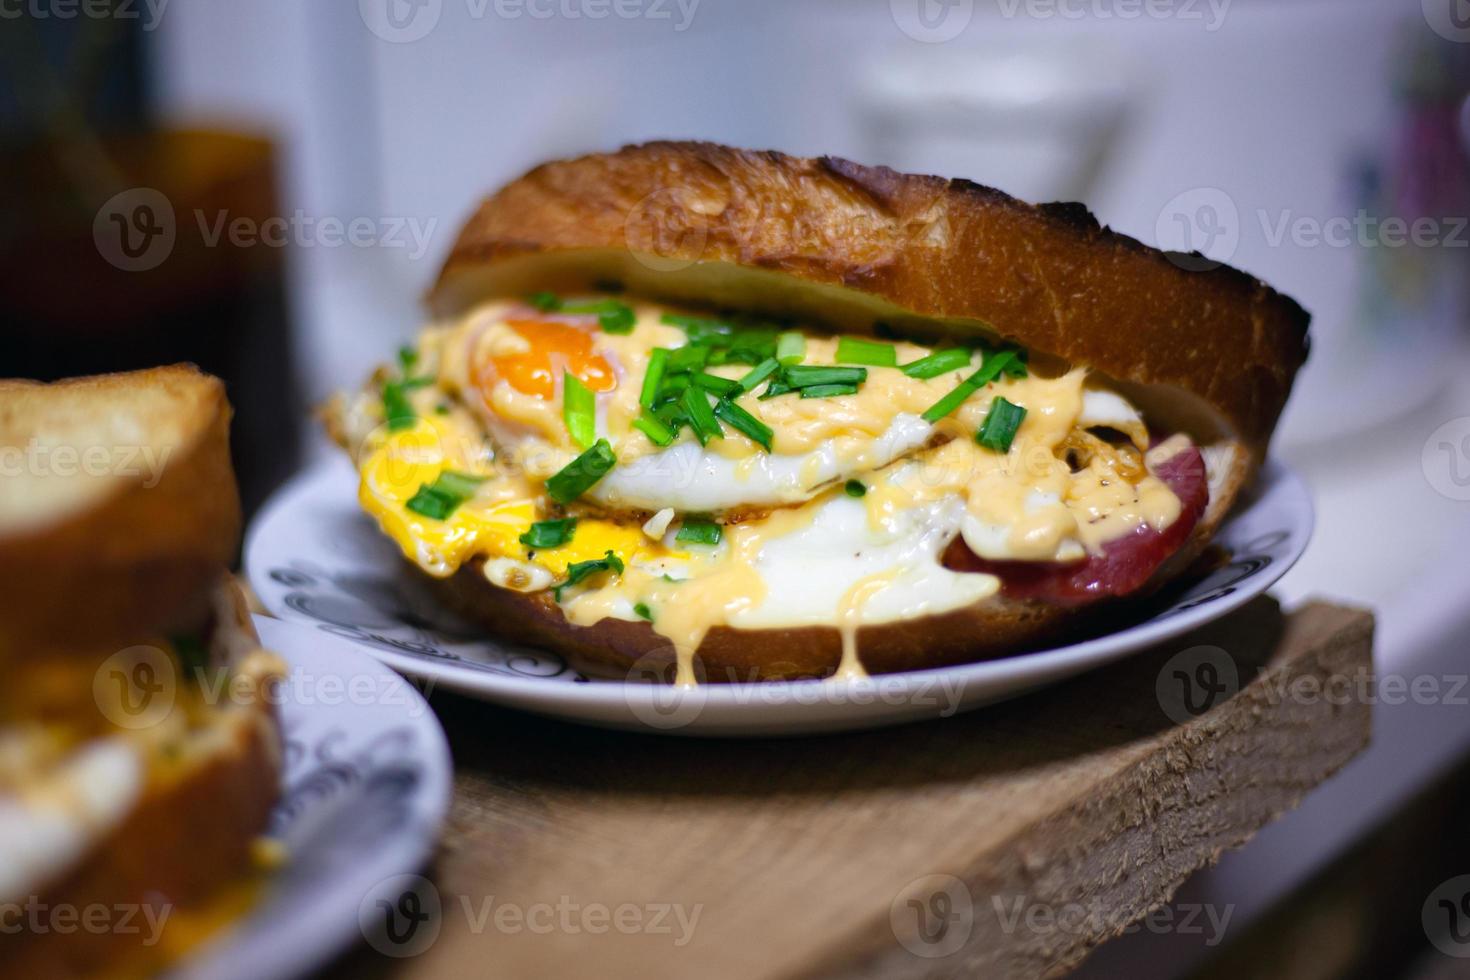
point(1125, 564)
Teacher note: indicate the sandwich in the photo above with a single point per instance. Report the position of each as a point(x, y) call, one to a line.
point(140, 752)
point(740, 415)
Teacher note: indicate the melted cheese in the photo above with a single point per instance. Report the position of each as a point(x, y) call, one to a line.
point(819, 558)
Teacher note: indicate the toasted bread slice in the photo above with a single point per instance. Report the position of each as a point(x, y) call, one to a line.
point(117, 488)
point(163, 816)
point(1207, 350)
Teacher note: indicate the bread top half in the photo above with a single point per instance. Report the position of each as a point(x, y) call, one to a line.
point(118, 508)
point(1200, 347)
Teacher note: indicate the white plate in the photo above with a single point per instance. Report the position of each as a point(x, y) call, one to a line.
point(367, 785)
point(313, 556)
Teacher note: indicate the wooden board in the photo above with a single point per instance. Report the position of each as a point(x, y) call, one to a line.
point(575, 852)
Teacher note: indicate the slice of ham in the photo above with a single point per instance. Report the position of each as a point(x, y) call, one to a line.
point(1125, 564)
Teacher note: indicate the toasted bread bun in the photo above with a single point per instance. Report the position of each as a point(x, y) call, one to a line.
point(864, 249)
point(124, 782)
point(165, 815)
point(118, 488)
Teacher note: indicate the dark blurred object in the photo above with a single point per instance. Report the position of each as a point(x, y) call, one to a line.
point(118, 247)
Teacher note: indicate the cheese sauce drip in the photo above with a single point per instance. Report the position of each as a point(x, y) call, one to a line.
point(797, 549)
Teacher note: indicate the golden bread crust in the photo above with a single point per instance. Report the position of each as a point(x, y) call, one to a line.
point(913, 248)
point(135, 548)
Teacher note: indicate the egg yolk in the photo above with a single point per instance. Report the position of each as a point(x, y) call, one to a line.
point(555, 347)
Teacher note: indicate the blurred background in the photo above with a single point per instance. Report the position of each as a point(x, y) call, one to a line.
point(268, 188)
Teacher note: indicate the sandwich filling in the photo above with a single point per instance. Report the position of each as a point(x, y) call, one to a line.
point(639, 462)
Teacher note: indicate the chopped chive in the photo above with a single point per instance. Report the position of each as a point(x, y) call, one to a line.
point(827, 391)
point(657, 432)
point(1001, 422)
point(672, 388)
point(992, 367)
point(442, 498)
point(937, 363)
point(578, 410)
point(654, 376)
point(716, 384)
point(803, 376)
point(698, 531)
point(460, 484)
point(549, 534)
point(759, 373)
point(441, 409)
point(613, 317)
point(396, 408)
point(701, 417)
point(855, 488)
point(544, 301)
point(701, 329)
point(578, 476)
point(855, 350)
point(671, 415)
point(641, 610)
point(407, 357)
point(776, 387)
point(687, 359)
point(790, 347)
point(579, 570)
point(742, 421)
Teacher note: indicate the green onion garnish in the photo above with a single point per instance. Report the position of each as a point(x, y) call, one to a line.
point(578, 476)
point(578, 410)
point(790, 347)
point(855, 488)
point(855, 350)
point(612, 316)
point(407, 357)
point(1001, 422)
point(442, 497)
point(653, 377)
point(690, 357)
point(657, 433)
point(827, 391)
point(714, 383)
point(742, 421)
point(544, 301)
point(549, 534)
point(776, 387)
point(641, 610)
point(701, 417)
point(396, 408)
point(579, 570)
point(992, 367)
point(698, 531)
point(759, 373)
point(701, 329)
point(803, 375)
point(937, 363)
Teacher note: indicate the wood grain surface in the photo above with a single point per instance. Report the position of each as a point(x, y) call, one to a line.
point(961, 847)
